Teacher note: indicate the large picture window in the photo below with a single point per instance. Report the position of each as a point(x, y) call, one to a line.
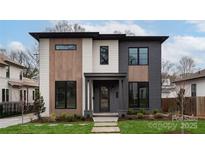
point(65, 92)
point(138, 94)
point(138, 56)
point(104, 55)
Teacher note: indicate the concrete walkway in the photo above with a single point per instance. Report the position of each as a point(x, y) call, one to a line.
point(105, 124)
point(6, 122)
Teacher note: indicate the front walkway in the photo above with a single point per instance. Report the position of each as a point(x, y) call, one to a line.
point(105, 124)
point(10, 121)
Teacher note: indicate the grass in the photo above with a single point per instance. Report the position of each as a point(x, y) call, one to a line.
point(46, 128)
point(126, 127)
point(160, 127)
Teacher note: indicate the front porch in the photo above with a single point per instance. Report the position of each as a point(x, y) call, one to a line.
point(105, 93)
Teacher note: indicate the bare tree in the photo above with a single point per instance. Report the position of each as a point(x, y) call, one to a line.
point(186, 66)
point(167, 68)
point(127, 32)
point(65, 26)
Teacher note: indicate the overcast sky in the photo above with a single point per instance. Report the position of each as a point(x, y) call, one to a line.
point(187, 38)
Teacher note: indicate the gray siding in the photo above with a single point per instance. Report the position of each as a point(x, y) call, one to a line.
point(154, 69)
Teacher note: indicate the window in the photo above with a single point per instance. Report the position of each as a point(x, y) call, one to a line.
point(65, 92)
point(143, 56)
point(138, 56)
point(193, 90)
point(8, 72)
point(104, 54)
point(21, 76)
point(24, 94)
point(5, 95)
point(138, 94)
point(133, 56)
point(21, 95)
point(66, 47)
point(33, 95)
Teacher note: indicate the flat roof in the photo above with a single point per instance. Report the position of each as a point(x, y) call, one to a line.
point(96, 36)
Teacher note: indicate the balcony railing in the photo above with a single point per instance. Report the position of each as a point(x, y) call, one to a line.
point(15, 108)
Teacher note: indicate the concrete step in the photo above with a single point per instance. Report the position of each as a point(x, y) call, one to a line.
point(105, 119)
point(105, 124)
point(105, 130)
point(105, 114)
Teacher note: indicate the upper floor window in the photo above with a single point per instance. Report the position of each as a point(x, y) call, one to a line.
point(104, 55)
point(193, 90)
point(21, 75)
point(138, 56)
point(65, 47)
point(8, 72)
point(133, 56)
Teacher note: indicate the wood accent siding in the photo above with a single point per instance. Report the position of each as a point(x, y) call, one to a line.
point(138, 73)
point(65, 66)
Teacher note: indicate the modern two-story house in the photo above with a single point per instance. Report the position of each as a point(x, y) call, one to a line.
point(88, 72)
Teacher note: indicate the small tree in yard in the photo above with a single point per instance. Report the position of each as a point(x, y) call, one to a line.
point(39, 105)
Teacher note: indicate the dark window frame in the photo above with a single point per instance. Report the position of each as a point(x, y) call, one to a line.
point(33, 94)
point(65, 86)
point(107, 55)
point(75, 45)
point(138, 98)
point(8, 72)
point(193, 93)
point(138, 56)
point(3, 93)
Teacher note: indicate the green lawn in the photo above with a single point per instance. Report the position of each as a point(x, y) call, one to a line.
point(126, 127)
point(160, 127)
point(59, 128)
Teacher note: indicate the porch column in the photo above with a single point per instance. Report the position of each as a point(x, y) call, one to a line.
point(86, 96)
point(120, 94)
point(90, 96)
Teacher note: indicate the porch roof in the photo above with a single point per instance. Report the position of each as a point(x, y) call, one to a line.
point(105, 75)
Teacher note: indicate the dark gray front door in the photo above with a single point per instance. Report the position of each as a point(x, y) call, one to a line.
point(104, 99)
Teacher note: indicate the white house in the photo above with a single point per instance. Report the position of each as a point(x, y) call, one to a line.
point(13, 86)
point(168, 89)
point(194, 84)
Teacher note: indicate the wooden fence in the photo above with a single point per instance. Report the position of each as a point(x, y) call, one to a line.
point(192, 105)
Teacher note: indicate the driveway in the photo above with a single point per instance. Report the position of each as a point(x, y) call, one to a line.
point(5, 122)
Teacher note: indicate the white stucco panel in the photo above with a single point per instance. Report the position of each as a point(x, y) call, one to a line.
point(113, 66)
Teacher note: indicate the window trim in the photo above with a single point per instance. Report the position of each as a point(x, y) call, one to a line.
point(138, 58)
point(8, 72)
point(65, 45)
point(193, 84)
point(107, 53)
point(65, 82)
point(138, 107)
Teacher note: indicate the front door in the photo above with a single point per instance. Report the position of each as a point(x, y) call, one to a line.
point(104, 99)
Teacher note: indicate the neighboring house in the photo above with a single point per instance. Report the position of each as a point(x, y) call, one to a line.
point(13, 86)
point(87, 72)
point(193, 84)
point(168, 89)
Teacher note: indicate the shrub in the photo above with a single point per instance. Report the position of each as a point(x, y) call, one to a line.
point(140, 115)
point(158, 116)
point(142, 111)
point(63, 116)
point(52, 117)
point(155, 111)
point(131, 112)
